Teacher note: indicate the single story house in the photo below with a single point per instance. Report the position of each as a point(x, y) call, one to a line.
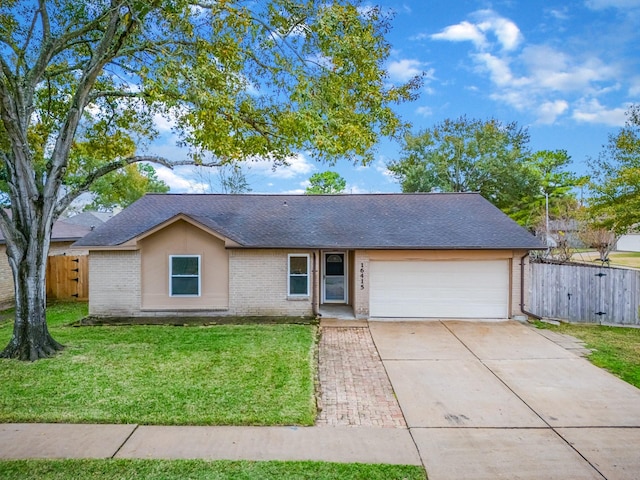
point(384, 255)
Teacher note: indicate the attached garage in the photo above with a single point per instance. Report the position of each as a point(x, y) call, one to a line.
point(439, 289)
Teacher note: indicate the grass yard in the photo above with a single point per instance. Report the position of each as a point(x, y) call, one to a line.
point(616, 349)
point(616, 259)
point(199, 469)
point(163, 375)
point(625, 259)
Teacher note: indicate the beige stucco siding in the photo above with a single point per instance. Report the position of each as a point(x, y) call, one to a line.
point(114, 283)
point(255, 281)
point(258, 284)
point(182, 238)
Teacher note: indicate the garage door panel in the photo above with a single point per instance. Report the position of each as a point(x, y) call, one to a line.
point(445, 289)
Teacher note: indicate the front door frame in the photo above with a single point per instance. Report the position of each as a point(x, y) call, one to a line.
point(345, 260)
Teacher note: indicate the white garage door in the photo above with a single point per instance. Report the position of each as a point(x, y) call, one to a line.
point(439, 289)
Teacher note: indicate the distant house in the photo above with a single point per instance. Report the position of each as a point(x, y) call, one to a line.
point(567, 230)
point(89, 219)
point(629, 243)
point(65, 232)
point(387, 255)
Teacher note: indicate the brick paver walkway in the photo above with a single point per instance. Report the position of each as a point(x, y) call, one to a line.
point(354, 387)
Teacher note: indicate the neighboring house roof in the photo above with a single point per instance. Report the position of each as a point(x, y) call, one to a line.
point(568, 225)
point(376, 221)
point(89, 219)
point(63, 232)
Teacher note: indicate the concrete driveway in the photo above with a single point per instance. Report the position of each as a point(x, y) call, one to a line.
point(499, 400)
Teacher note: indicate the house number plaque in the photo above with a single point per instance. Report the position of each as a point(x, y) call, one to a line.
point(362, 276)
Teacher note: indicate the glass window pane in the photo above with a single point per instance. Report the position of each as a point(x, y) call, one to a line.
point(298, 285)
point(334, 288)
point(334, 265)
point(184, 286)
point(184, 265)
point(298, 265)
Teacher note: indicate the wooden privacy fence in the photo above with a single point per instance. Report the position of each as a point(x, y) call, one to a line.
point(68, 277)
point(585, 293)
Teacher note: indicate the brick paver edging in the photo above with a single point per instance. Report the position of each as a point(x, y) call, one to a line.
point(354, 389)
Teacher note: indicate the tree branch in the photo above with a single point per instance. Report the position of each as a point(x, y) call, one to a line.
point(83, 187)
point(105, 52)
point(112, 94)
point(23, 50)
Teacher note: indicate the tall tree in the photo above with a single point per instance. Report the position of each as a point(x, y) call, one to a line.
point(465, 155)
point(238, 80)
point(326, 183)
point(614, 202)
point(550, 188)
point(488, 157)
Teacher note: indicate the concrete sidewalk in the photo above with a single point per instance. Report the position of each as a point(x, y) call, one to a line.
point(499, 400)
point(331, 444)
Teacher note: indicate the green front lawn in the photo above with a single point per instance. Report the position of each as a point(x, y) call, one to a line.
point(213, 375)
point(199, 469)
point(616, 349)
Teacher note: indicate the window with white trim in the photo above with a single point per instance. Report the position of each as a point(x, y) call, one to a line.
point(298, 273)
point(184, 275)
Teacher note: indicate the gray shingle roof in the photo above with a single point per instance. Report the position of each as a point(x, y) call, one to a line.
point(89, 219)
point(385, 221)
point(62, 232)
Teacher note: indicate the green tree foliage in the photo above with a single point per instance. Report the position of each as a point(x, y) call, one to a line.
point(124, 186)
point(81, 84)
point(614, 202)
point(326, 183)
point(488, 157)
point(548, 178)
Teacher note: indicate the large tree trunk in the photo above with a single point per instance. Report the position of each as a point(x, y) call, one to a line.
point(31, 339)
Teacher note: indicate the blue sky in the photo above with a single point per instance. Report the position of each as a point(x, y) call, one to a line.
point(566, 70)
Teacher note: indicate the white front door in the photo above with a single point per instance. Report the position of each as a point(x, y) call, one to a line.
point(334, 278)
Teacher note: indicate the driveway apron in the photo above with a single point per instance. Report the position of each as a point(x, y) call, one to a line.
point(499, 400)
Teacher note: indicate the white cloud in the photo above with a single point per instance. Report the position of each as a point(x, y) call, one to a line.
point(295, 191)
point(548, 112)
point(381, 167)
point(354, 189)
point(163, 124)
point(405, 69)
point(507, 32)
point(604, 4)
point(298, 165)
point(488, 22)
point(558, 13)
point(634, 88)
point(557, 71)
point(178, 181)
point(593, 112)
point(517, 98)
point(424, 111)
point(545, 80)
point(462, 32)
point(499, 69)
